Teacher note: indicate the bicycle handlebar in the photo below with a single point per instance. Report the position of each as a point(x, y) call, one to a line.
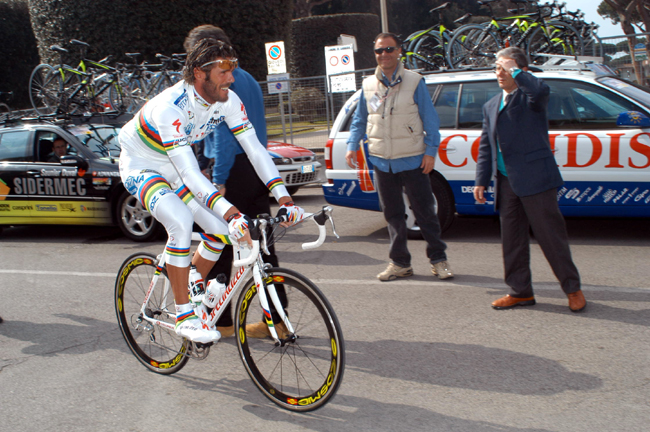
point(259, 230)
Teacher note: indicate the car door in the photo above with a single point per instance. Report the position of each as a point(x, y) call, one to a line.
point(59, 189)
point(605, 167)
point(460, 110)
point(16, 150)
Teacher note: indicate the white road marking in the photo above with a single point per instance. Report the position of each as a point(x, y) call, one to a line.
point(360, 282)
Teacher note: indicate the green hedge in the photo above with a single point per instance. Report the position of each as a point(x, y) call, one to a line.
point(310, 35)
point(17, 51)
point(158, 26)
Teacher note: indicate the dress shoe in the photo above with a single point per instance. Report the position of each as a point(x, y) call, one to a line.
point(508, 302)
point(577, 301)
point(226, 331)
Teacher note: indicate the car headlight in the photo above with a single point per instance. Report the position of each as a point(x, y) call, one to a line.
point(282, 161)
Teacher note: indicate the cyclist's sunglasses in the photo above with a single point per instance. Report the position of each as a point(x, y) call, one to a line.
point(223, 64)
point(387, 49)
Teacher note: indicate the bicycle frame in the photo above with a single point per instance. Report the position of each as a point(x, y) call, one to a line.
point(249, 262)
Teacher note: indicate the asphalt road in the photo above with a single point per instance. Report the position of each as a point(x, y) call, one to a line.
point(422, 354)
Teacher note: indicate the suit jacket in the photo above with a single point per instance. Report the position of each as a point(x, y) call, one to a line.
point(521, 129)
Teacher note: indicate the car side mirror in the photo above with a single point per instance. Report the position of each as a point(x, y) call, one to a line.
point(74, 160)
point(633, 118)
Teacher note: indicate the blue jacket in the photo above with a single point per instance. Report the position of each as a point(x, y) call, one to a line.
point(222, 144)
point(521, 129)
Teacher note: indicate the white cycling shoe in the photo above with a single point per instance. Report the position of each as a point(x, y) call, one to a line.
point(191, 329)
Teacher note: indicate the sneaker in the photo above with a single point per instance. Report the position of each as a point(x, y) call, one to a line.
point(442, 270)
point(261, 330)
point(189, 326)
point(394, 271)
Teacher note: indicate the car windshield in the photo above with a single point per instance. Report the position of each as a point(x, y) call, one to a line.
point(99, 139)
point(628, 89)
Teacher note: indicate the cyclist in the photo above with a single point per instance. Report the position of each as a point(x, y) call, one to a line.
point(158, 167)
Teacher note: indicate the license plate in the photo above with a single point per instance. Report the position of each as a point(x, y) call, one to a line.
point(307, 169)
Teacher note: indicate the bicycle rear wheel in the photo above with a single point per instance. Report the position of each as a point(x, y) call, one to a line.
point(563, 39)
point(302, 373)
point(472, 46)
point(429, 53)
point(158, 348)
point(45, 89)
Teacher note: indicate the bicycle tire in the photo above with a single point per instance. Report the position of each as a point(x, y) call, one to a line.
point(408, 47)
point(429, 53)
point(472, 46)
point(305, 373)
point(565, 40)
point(164, 83)
point(158, 349)
point(80, 102)
point(120, 97)
point(45, 89)
point(5, 112)
point(137, 90)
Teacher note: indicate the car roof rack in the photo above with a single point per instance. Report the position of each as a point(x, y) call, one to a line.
point(64, 120)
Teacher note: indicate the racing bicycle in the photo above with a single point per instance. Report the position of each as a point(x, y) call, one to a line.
point(298, 367)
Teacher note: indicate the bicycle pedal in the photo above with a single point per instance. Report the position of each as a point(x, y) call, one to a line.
point(199, 351)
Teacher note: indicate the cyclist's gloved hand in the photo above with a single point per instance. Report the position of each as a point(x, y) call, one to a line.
point(238, 225)
point(292, 212)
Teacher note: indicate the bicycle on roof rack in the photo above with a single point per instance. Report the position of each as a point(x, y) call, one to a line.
point(93, 86)
point(144, 81)
point(535, 32)
point(426, 49)
point(5, 111)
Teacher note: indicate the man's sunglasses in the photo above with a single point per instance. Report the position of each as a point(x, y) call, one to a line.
point(387, 49)
point(227, 65)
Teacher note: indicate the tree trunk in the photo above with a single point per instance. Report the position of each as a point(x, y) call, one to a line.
point(624, 14)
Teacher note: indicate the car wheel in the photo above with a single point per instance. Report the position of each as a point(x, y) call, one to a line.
point(443, 201)
point(134, 220)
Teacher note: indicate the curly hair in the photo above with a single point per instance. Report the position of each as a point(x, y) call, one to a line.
point(203, 32)
point(203, 52)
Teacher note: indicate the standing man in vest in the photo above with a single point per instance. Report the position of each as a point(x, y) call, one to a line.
point(396, 112)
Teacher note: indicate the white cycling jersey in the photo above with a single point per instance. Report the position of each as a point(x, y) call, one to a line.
point(159, 168)
point(160, 136)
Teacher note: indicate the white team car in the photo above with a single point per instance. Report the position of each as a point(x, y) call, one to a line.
point(599, 129)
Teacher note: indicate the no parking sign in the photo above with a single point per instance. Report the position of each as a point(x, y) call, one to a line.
point(340, 59)
point(275, 60)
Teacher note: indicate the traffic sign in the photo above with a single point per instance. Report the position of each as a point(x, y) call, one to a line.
point(275, 58)
point(340, 59)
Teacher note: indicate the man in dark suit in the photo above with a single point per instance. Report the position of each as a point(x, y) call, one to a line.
point(515, 150)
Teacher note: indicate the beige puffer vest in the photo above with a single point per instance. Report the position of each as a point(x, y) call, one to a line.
point(395, 128)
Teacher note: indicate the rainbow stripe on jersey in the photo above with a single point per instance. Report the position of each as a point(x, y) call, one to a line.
point(216, 238)
point(148, 189)
point(184, 194)
point(177, 252)
point(237, 130)
point(212, 200)
point(148, 134)
point(274, 183)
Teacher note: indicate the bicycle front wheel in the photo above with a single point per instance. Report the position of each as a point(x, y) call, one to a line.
point(156, 347)
point(305, 371)
point(45, 89)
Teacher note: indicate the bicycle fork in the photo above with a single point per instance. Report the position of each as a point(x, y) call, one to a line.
point(266, 289)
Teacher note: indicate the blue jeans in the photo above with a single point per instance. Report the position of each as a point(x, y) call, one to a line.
point(418, 189)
